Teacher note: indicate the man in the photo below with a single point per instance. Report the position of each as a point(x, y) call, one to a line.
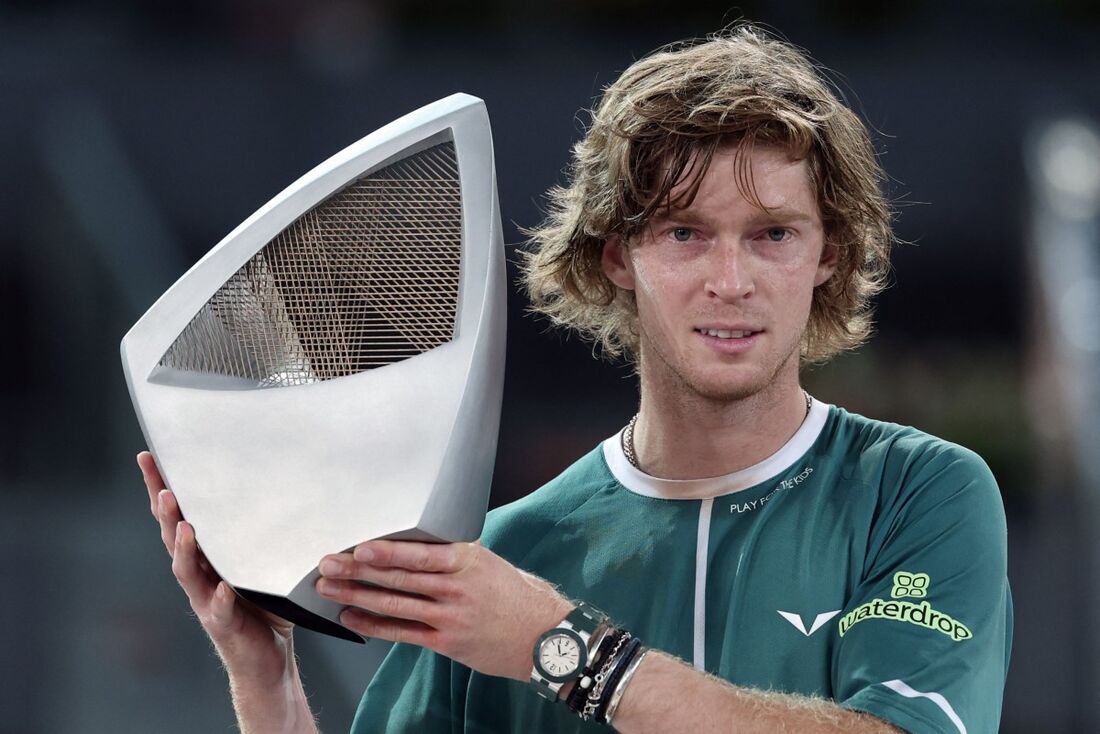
point(819, 571)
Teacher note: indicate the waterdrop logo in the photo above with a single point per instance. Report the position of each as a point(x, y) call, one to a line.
point(910, 584)
point(907, 584)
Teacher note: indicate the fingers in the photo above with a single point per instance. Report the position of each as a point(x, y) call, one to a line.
point(222, 604)
point(212, 600)
point(342, 566)
point(151, 475)
point(169, 517)
point(388, 628)
point(197, 584)
point(385, 602)
point(416, 556)
point(162, 503)
point(415, 577)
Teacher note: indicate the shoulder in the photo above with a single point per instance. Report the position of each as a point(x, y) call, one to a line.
point(513, 529)
point(919, 489)
point(899, 457)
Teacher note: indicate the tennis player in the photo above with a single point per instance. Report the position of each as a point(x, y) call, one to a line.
point(740, 557)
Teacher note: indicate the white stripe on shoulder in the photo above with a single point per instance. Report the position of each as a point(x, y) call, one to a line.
point(641, 483)
point(903, 688)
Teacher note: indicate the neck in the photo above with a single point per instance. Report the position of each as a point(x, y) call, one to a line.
point(695, 437)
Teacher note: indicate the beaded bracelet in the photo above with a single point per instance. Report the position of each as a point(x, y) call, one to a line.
point(597, 693)
point(575, 700)
point(592, 701)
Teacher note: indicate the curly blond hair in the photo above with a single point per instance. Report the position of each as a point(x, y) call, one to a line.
point(674, 108)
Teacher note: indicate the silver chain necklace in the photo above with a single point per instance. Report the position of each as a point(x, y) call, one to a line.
point(628, 434)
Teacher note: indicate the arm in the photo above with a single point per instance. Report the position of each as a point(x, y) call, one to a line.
point(257, 649)
point(667, 695)
point(465, 602)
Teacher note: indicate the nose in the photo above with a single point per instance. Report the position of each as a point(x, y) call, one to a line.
point(729, 273)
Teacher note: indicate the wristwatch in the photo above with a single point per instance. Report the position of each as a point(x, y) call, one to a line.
point(562, 653)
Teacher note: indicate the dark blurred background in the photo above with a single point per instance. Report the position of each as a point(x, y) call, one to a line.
point(134, 136)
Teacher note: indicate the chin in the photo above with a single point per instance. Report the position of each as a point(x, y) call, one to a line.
point(724, 389)
point(732, 382)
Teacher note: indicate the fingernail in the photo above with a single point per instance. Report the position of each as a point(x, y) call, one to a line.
point(325, 586)
point(364, 554)
point(222, 591)
point(331, 567)
point(179, 532)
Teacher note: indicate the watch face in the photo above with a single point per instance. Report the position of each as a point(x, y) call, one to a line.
point(561, 655)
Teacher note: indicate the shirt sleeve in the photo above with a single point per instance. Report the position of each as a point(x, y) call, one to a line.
point(926, 635)
point(414, 690)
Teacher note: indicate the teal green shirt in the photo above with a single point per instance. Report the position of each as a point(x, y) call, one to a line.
point(864, 562)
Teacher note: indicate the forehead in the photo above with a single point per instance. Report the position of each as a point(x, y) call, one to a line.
point(763, 178)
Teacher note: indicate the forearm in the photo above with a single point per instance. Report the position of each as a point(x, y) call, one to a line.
point(468, 604)
point(278, 707)
point(667, 695)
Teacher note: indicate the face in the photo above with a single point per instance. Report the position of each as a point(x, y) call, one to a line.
point(724, 287)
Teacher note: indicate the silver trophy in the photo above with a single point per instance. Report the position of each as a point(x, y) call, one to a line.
point(331, 372)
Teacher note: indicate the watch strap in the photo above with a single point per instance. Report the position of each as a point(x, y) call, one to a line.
point(584, 618)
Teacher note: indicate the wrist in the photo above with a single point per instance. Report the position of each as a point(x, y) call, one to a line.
point(598, 692)
point(270, 666)
point(272, 699)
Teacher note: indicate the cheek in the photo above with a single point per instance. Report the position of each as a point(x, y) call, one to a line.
point(657, 288)
point(791, 294)
point(660, 304)
point(647, 283)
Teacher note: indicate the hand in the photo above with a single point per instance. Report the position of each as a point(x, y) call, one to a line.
point(458, 599)
point(252, 642)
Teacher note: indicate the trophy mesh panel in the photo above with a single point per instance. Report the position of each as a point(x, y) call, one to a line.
point(366, 278)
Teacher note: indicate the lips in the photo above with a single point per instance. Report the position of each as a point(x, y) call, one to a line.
point(728, 341)
point(720, 333)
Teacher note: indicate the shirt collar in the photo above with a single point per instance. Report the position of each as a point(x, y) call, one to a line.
point(641, 483)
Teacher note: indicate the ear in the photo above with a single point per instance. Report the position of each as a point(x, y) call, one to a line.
point(826, 266)
point(616, 263)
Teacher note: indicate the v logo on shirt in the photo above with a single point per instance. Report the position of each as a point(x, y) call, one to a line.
point(819, 621)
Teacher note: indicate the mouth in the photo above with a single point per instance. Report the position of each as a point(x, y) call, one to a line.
point(727, 333)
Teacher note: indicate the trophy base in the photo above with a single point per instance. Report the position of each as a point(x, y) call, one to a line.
point(300, 616)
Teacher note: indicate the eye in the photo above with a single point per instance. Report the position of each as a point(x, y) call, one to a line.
point(776, 234)
point(682, 234)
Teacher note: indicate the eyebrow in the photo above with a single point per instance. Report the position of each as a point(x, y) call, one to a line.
point(782, 214)
point(680, 215)
point(774, 214)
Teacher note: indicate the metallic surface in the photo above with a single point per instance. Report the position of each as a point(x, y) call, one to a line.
point(404, 443)
point(368, 277)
